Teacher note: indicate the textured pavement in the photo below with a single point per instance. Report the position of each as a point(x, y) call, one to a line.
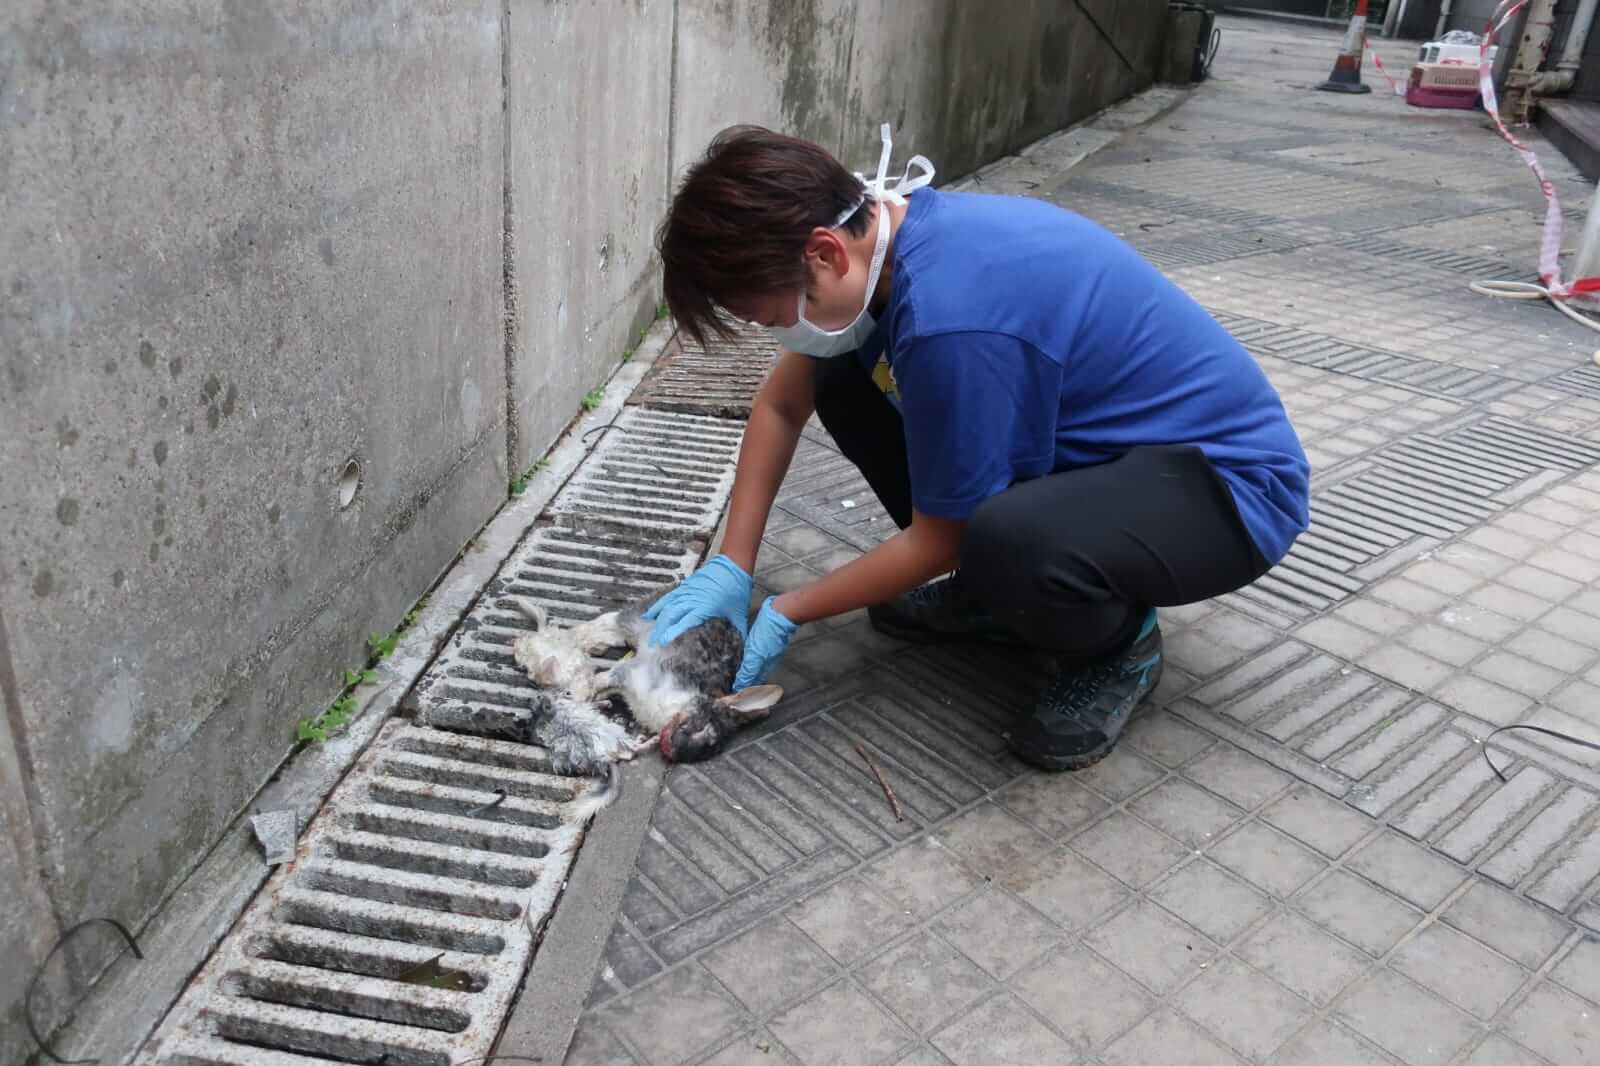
point(1298, 855)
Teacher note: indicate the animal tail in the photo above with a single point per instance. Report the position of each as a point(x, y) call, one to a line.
point(597, 799)
point(532, 611)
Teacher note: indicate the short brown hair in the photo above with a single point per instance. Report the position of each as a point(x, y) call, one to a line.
point(738, 226)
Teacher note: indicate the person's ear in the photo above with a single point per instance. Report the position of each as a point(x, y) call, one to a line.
point(825, 250)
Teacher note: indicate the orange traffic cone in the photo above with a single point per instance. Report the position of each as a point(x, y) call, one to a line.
point(1346, 76)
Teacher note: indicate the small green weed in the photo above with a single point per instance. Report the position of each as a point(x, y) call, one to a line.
point(328, 722)
point(519, 484)
point(352, 678)
point(383, 644)
point(592, 398)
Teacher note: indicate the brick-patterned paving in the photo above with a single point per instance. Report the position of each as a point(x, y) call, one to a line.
point(1298, 855)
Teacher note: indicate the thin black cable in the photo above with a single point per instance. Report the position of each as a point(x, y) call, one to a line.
point(33, 984)
point(1096, 24)
point(1591, 745)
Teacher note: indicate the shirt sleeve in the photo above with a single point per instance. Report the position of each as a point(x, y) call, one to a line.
point(980, 413)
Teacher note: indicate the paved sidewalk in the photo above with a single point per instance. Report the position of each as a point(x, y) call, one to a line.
point(1298, 855)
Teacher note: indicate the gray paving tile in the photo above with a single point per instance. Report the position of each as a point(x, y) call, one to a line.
point(1129, 849)
point(849, 919)
point(1237, 776)
point(1185, 813)
point(1083, 997)
point(1580, 971)
point(1244, 1009)
point(1166, 738)
point(1460, 969)
point(592, 1045)
point(922, 877)
point(1161, 1037)
point(1303, 957)
point(1327, 1044)
point(1312, 818)
point(652, 1019)
point(1410, 1023)
point(840, 1026)
point(758, 1046)
point(1068, 890)
point(1212, 900)
point(926, 982)
point(1558, 1025)
point(993, 842)
point(1053, 803)
point(1408, 870)
point(1151, 946)
point(923, 1056)
point(769, 965)
point(1268, 859)
point(1001, 1032)
point(998, 933)
point(1365, 916)
point(1498, 1051)
point(1512, 926)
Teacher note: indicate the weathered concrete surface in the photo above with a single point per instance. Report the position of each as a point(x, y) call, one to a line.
point(27, 926)
point(965, 83)
point(241, 248)
point(242, 245)
point(783, 64)
point(957, 81)
point(589, 86)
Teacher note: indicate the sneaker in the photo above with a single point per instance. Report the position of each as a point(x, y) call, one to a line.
point(932, 613)
point(1083, 711)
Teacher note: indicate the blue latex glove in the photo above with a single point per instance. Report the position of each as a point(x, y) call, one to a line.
point(768, 640)
point(719, 589)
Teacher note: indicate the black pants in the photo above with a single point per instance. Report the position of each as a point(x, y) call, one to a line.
point(1073, 561)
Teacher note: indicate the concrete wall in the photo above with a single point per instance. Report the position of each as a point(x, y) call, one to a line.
point(243, 244)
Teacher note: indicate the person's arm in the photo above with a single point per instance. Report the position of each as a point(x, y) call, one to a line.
point(777, 415)
point(919, 553)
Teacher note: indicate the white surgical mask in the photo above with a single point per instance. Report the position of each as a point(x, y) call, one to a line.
point(813, 340)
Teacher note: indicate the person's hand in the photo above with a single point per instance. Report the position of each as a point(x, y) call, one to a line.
point(768, 639)
point(719, 589)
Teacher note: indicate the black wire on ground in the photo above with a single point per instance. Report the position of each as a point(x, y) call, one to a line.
point(33, 984)
point(1591, 745)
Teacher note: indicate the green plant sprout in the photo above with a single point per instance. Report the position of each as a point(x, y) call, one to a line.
point(519, 484)
point(592, 398)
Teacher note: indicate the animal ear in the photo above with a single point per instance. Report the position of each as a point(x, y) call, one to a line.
point(549, 671)
point(754, 700)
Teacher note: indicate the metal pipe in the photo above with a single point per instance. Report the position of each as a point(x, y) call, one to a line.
point(1560, 80)
point(1392, 18)
point(1444, 17)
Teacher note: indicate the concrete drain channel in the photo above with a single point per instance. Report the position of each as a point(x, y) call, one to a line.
point(401, 931)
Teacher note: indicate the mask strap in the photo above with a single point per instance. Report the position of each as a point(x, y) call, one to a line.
point(878, 187)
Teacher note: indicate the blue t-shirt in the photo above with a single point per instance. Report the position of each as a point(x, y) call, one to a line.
point(1021, 339)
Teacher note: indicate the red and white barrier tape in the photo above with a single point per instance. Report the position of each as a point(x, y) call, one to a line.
point(1550, 238)
point(1399, 90)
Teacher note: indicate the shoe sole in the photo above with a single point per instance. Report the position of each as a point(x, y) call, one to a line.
point(1084, 760)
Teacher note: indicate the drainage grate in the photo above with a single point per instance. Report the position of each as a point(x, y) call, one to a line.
point(1214, 248)
point(1440, 258)
point(1175, 205)
point(661, 473)
point(1324, 352)
point(720, 381)
point(1522, 446)
point(1580, 381)
point(407, 864)
point(476, 685)
point(446, 847)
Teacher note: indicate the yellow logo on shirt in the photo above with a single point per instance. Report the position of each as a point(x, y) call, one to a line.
point(883, 377)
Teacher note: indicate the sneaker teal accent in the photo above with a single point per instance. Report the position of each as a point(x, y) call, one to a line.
point(1082, 711)
point(935, 612)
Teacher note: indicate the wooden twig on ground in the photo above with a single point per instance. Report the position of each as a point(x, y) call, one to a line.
point(888, 793)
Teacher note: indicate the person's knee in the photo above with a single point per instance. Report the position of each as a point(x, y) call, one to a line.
point(989, 545)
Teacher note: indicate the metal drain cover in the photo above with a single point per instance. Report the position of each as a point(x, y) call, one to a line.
point(399, 932)
point(721, 380)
